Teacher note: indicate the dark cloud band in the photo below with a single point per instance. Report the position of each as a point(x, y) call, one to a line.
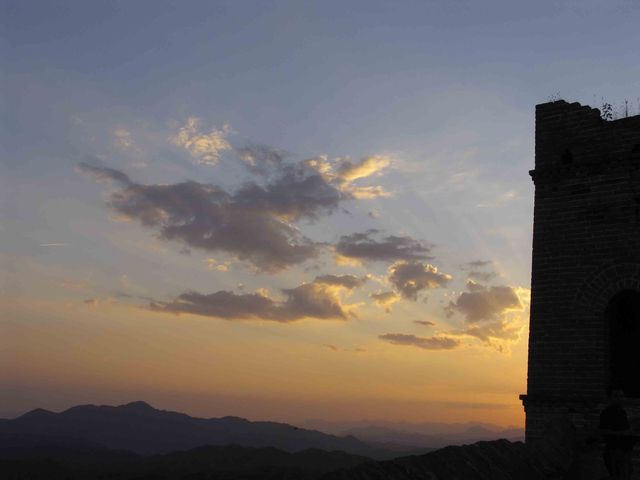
point(365, 246)
point(426, 343)
point(320, 299)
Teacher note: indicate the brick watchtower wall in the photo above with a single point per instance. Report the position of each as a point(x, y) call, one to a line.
point(586, 249)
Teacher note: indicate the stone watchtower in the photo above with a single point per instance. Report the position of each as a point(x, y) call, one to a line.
point(585, 282)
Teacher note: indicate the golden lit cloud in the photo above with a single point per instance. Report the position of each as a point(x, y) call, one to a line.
point(344, 172)
point(213, 264)
point(385, 300)
point(206, 148)
point(366, 167)
point(368, 193)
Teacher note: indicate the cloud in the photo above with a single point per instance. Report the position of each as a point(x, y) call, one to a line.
point(205, 148)
point(255, 223)
point(347, 281)
point(320, 299)
point(339, 349)
point(368, 193)
point(123, 138)
point(481, 276)
point(104, 174)
point(490, 332)
point(426, 323)
point(485, 303)
point(426, 343)
point(221, 304)
point(487, 311)
point(385, 299)
point(252, 224)
point(344, 172)
point(479, 263)
point(94, 302)
point(316, 300)
point(213, 264)
point(349, 171)
point(410, 278)
point(261, 159)
point(364, 246)
point(476, 272)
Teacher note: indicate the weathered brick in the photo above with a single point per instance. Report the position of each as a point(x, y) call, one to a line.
point(586, 248)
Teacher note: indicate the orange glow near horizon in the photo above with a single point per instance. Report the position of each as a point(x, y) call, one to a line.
point(62, 354)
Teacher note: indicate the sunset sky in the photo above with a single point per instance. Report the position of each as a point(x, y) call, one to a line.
point(282, 210)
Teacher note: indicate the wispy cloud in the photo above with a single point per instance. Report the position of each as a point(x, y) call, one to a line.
point(340, 349)
point(427, 343)
point(425, 323)
point(261, 159)
point(385, 299)
point(123, 138)
point(479, 270)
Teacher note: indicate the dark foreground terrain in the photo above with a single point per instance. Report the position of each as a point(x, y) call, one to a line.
point(224, 463)
point(553, 458)
point(136, 441)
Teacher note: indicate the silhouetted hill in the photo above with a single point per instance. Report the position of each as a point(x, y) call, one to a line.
point(220, 463)
point(80, 433)
point(140, 428)
point(401, 439)
point(553, 457)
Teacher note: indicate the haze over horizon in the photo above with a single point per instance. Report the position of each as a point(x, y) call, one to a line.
point(282, 210)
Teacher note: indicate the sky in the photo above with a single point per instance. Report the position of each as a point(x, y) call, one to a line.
point(282, 210)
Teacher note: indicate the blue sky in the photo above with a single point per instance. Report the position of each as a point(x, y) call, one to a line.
point(442, 94)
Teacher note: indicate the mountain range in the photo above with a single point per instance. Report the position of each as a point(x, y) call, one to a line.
point(138, 427)
point(401, 440)
point(137, 441)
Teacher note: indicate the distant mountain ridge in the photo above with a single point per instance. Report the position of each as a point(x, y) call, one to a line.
point(554, 456)
point(400, 435)
point(400, 439)
point(140, 428)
